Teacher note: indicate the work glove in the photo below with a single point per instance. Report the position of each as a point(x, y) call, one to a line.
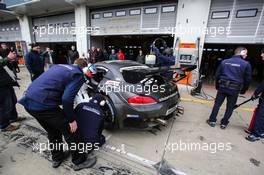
point(216, 85)
point(254, 97)
point(244, 89)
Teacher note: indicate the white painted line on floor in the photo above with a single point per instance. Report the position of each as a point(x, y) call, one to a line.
point(108, 137)
point(134, 157)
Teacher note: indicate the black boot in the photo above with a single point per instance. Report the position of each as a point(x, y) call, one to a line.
point(212, 124)
point(56, 164)
point(88, 163)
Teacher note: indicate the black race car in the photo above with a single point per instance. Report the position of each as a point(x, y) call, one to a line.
point(137, 95)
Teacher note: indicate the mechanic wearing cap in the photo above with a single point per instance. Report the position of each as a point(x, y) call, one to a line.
point(165, 59)
point(257, 131)
point(58, 86)
point(233, 76)
point(34, 62)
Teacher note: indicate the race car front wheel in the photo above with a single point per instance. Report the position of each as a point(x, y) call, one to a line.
point(110, 121)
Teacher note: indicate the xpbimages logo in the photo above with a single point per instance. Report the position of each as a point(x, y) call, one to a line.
point(81, 147)
point(197, 146)
point(117, 87)
point(60, 30)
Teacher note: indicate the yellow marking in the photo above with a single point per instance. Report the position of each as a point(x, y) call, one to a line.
point(247, 109)
point(210, 103)
point(196, 100)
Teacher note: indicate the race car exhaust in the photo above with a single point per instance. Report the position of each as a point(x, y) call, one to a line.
point(162, 122)
point(180, 110)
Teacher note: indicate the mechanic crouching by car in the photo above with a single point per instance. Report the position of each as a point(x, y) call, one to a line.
point(165, 59)
point(90, 119)
point(89, 112)
point(59, 86)
point(233, 76)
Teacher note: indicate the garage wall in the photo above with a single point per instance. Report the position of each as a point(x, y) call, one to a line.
point(64, 20)
point(10, 31)
point(148, 19)
point(243, 18)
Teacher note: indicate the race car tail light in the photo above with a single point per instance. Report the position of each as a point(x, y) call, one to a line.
point(141, 100)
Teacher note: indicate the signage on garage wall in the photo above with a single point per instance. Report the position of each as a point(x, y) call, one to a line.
point(149, 19)
point(57, 28)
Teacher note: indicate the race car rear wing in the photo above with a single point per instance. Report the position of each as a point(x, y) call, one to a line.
point(137, 75)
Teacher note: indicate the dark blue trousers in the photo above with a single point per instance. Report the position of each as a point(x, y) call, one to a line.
point(56, 125)
point(231, 97)
point(8, 102)
point(258, 127)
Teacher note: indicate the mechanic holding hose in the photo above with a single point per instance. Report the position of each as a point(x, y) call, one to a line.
point(233, 76)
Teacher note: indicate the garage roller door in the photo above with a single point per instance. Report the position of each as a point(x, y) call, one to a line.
point(147, 19)
point(243, 18)
point(66, 21)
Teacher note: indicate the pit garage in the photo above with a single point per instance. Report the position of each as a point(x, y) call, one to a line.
point(213, 54)
point(131, 44)
point(183, 145)
point(134, 27)
point(244, 25)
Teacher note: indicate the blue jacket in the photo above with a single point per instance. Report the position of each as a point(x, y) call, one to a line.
point(90, 120)
point(164, 60)
point(235, 70)
point(57, 86)
point(34, 62)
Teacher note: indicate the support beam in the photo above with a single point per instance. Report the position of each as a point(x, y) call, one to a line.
point(25, 23)
point(82, 21)
point(191, 28)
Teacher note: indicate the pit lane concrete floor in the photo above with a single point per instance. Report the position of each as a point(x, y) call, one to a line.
point(234, 156)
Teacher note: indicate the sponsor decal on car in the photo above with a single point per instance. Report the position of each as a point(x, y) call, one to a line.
point(166, 98)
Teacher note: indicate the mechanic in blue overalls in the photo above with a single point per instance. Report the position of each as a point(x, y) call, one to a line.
point(233, 76)
point(58, 86)
point(165, 59)
point(90, 119)
point(258, 126)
